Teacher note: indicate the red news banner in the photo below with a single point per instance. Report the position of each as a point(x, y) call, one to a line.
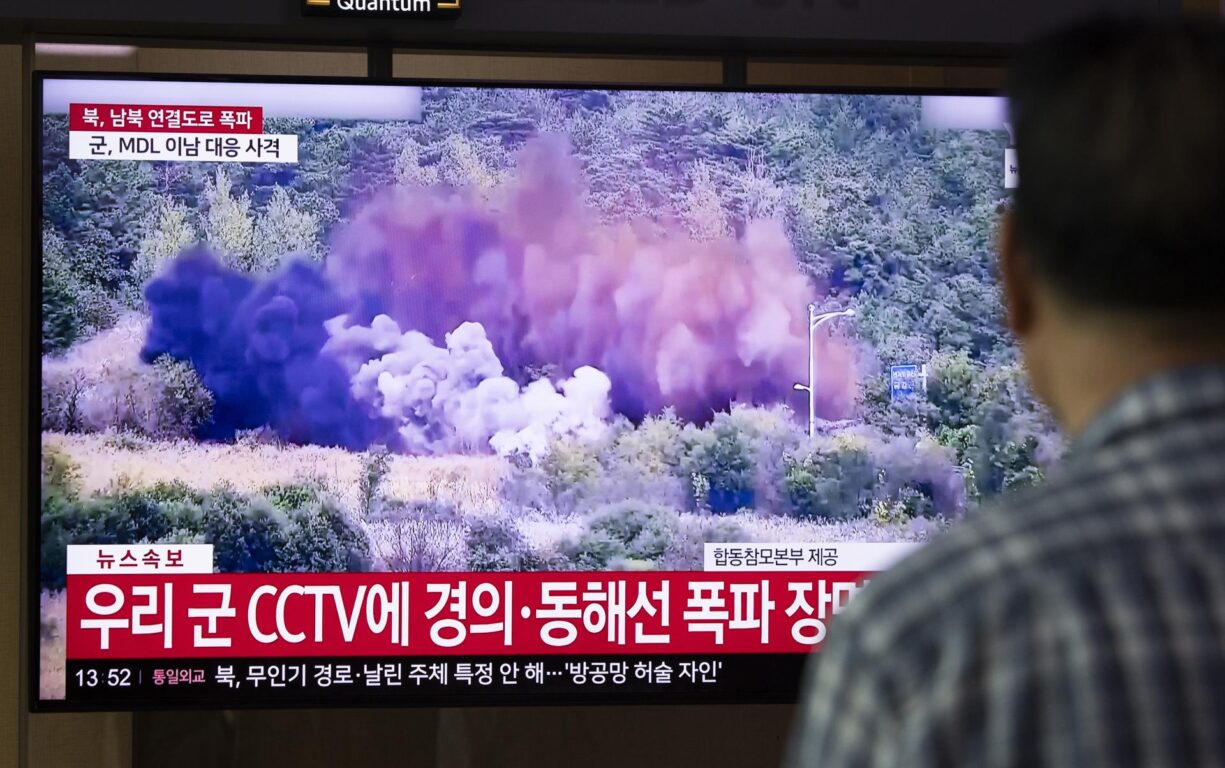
point(165, 118)
point(175, 133)
point(147, 616)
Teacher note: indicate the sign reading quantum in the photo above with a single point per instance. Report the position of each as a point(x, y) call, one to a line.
point(382, 8)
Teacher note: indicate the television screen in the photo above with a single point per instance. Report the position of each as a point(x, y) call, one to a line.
point(433, 394)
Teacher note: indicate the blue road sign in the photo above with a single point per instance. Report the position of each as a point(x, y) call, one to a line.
point(906, 381)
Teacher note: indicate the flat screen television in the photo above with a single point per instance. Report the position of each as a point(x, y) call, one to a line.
point(461, 394)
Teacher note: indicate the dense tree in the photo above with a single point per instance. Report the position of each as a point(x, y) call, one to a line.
point(168, 235)
point(61, 191)
point(227, 224)
point(116, 197)
point(410, 169)
point(283, 230)
point(704, 210)
point(73, 307)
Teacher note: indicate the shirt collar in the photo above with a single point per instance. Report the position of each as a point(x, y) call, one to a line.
point(1166, 396)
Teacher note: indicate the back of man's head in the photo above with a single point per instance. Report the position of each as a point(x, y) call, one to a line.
point(1120, 128)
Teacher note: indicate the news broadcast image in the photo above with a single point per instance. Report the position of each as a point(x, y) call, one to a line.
point(404, 394)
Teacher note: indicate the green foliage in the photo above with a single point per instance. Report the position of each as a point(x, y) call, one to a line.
point(129, 401)
point(462, 166)
point(953, 380)
point(58, 521)
point(248, 533)
point(964, 314)
point(282, 230)
point(136, 516)
point(114, 197)
point(883, 213)
point(228, 226)
point(247, 536)
point(127, 440)
point(654, 447)
point(722, 454)
point(60, 474)
point(963, 442)
point(687, 549)
point(290, 496)
point(570, 471)
point(73, 307)
point(61, 326)
point(704, 210)
point(495, 544)
point(63, 397)
point(61, 189)
point(323, 209)
point(183, 403)
point(638, 463)
point(757, 459)
point(1014, 432)
point(163, 492)
point(1001, 437)
point(376, 462)
point(125, 518)
point(168, 234)
point(637, 534)
point(625, 531)
point(834, 482)
point(252, 535)
point(319, 539)
point(735, 458)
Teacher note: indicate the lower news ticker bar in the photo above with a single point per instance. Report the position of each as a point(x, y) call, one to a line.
point(433, 681)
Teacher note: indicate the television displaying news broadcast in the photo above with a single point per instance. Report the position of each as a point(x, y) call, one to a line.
point(407, 394)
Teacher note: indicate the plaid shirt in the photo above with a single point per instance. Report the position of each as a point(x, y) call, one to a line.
point(1081, 624)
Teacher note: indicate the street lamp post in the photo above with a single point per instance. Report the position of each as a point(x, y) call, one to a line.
point(816, 321)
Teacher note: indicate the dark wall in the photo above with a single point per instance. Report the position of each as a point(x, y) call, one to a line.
point(948, 27)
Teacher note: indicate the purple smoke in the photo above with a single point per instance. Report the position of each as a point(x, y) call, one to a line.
point(673, 321)
point(256, 346)
point(444, 321)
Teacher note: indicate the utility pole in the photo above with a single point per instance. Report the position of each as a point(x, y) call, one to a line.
point(816, 321)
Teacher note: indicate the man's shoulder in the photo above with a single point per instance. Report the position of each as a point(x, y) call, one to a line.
point(1116, 504)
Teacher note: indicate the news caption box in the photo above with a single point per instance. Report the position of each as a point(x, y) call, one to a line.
point(783, 556)
point(108, 559)
point(125, 614)
point(153, 623)
point(431, 681)
point(133, 639)
point(175, 134)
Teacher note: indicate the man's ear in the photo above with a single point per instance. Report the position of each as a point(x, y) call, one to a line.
point(1016, 278)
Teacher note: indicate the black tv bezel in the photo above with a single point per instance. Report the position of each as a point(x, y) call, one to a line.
point(38, 705)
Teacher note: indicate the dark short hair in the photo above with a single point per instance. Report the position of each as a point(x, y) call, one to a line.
point(1119, 128)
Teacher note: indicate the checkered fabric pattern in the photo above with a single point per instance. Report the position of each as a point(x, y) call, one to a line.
point(1078, 624)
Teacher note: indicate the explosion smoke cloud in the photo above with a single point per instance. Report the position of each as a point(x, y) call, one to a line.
point(256, 345)
point(673, 321)
point(455, 399)
point(528, 283)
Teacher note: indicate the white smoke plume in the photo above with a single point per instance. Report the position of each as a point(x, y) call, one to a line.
point(455, 398)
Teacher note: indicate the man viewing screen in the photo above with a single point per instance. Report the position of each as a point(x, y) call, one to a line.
point(1082, 622)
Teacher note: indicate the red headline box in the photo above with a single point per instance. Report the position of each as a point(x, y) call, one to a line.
point(379, 614)
point(146, 118)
